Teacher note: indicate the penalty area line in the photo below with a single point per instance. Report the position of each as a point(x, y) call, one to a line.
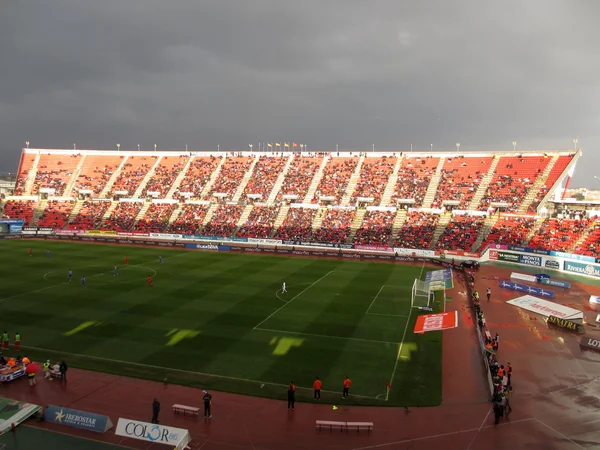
point(183, 371)
point(399, 355)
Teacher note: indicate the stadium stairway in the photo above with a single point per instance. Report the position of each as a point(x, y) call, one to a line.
point(588, 231)
point(352, 182)
point(245, 180)
point(399, 220)
point(69, 187)
point(111, 182)
point(179, 179)
point(31, 175)
point(140, 190)
point(75, 211)
point(443, 221)
point(537, 185)
point(140, 215)
point(109, 210)
point(485, 182)
point(279, 181)
point(41, 207)
point(433, 185)
point(534, 229)
point(314, 184)
point(175, 214)
point(210, 213)
point(243, 218)
point(212, 180)
point(356, 224)
point(318, 220)
point(489, 223)
point(280, 218)
point(391, 186)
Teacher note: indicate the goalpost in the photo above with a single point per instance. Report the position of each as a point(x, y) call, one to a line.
point(423, 293)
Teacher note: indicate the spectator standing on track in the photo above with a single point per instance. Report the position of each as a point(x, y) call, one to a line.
point(347, 384)
point(291, 394)
point(317, 385)
point(63, 372)
point(508, 373)
point(497, 412)
point(5, 340)
point(155, 410)
point(489, 294)
point(207, 399)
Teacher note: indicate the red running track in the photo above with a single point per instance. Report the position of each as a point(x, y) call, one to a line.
point(555, 402)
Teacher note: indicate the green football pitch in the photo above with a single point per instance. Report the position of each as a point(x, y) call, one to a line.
point(221, 320)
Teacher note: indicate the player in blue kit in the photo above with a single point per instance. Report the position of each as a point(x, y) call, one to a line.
point(70, 275)
point(83, 281)
point(160, 259)
point(115, 272)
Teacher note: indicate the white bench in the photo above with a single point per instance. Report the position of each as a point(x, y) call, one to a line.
point(488, 335)
point(331, 424)
point(360, 425)
point(186, 409)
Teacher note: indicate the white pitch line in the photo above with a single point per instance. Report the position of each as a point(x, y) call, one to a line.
point(386, 315)
point(399, 350)
point(150, 366)
point(91, 276)
point(298, 333)
point(292, 299)
point(480, 428)
point(375, 298)
point(559, 433)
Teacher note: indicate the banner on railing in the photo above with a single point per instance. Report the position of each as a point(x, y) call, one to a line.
point(374, 248)
point(77, 419)
point(265, 241)
point(528, 289)
point(154, 433)
point(582, 269)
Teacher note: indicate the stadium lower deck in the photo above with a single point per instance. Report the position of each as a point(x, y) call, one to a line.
point(440, 202)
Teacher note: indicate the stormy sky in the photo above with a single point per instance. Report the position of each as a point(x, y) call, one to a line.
point(319, 72)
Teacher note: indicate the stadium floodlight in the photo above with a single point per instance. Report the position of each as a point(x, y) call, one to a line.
point(186, 147)
point(337, 148)
point(218, 148)
point(431, 147)
point(154, 147)
point(118, 147)
point(458, 146)
point(596, 177)
point(575, 142)
point(138, 147)
point(27, 144)
point(514, 145)
point(373, 147)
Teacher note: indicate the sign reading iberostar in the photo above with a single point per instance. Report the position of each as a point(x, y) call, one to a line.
point(151, 432)
point(77, 419)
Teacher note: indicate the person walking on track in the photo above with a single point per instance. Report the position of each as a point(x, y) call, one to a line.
point(347, 384)
point(207, 400)
point(317, 385)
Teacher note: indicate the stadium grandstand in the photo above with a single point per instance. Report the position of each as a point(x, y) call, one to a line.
point(437, 201)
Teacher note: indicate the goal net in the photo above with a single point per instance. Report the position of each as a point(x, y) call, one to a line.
point(421, 295)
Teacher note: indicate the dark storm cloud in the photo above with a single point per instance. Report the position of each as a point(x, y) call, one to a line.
point(347, 72)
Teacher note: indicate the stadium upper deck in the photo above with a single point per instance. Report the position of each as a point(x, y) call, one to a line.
point(419, 200)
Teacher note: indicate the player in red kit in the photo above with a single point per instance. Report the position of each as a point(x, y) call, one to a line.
point(150, 281)
point(126, 260)
point(30, 251)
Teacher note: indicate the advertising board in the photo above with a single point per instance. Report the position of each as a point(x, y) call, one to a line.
point(590, 343)
point(528, 289)
point(436, 322)
point(546, 308)
point(530, 260)
point(592, 270)
point(509, 257)
point(77, 419)
point(523, 277)
point(154, 433)
point(557, 283)
point(565, 324)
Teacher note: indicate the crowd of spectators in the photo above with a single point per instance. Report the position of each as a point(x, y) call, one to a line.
point(232, 172)
point(223, 222)
point(336, 226)
point(509, 231)
point(460, 179)
point(26, 166)
point(461, 233)
point(56, 214)
point(156, 218)
point(132, 174)
point(413, 181)
point(559, 234)
point(297, 225)
point(189, 219)
point(376, 228)
point(96, 172)
point(374, 177)
point(55, 173)
point(89, 216)
point(417, 231)
point(265, 174)
point(336, 175)
point(299, 177)
point(591, 245)
point(197, 175)
point(123, 217)
point(165, 174)
point(260, 222)
point(20, 209)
